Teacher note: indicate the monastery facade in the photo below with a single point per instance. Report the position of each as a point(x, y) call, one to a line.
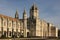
point(31, 26)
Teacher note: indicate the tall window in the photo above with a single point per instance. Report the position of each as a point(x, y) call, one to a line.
point(10, 33)
point(9, 24)
point(4, 23)
point(13, 25)
point(18, 25)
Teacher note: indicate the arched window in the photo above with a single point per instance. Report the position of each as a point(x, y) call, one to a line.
point(9, 24)
point(10, 33)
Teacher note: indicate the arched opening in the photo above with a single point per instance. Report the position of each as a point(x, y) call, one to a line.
point(27, 34)
point(4, 34)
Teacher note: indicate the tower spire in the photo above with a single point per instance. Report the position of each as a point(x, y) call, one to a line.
point(24, 11)
point(16, 14)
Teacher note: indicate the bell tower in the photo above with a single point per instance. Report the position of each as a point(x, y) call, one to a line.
point(16, 15)
point(25, 23)
point(34, 21)
point(34, 11)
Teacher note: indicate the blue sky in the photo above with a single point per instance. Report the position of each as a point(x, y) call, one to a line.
point(49, 10)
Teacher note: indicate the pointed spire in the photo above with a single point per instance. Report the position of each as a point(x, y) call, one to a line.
point(24, 11)
point(16, 11)
point(16, 14)
point(34, 4)
point(24, 14)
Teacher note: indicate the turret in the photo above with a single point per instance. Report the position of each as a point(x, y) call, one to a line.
point(24, 14)
point(25, 23)
point(16, 15)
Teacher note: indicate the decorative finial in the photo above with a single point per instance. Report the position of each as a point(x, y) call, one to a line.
point(34, 4)
point(24, 8)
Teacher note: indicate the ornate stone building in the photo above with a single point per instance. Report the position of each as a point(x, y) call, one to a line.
point(31, 26)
